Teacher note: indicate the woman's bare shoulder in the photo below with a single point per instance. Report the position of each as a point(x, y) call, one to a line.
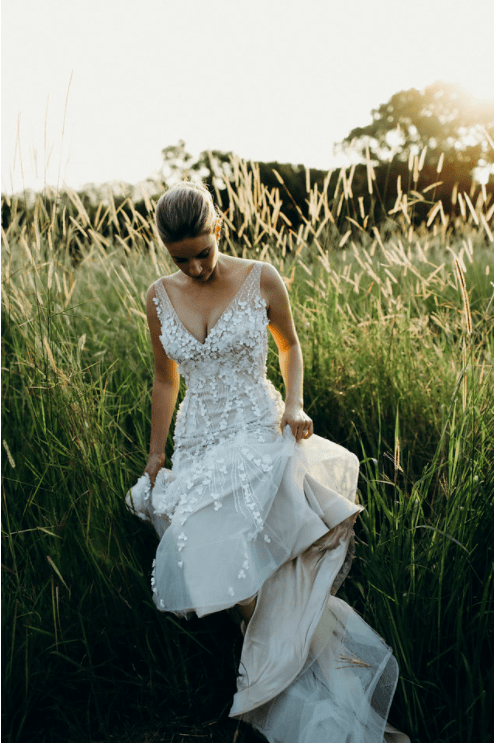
point(270, 278)
point(233, 268)
point(151, 292)
point(172, 279)
point(273, 289)
point(152, 295)
point(236, 262)
point(169, 280)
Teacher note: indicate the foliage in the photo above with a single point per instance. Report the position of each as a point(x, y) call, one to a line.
point(444, 118)
point(395, 325)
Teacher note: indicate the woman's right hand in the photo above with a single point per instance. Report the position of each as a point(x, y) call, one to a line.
point(155, 463)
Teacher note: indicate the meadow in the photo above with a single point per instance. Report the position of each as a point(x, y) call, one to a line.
point(395, 322)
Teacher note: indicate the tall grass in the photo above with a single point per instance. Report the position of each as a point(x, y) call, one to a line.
point(396, 328)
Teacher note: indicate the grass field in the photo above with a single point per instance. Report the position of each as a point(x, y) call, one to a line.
point(396, 328)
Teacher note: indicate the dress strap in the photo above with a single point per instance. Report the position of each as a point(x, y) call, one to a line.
point(162, 300)
point(251, 288)
point(257, 270)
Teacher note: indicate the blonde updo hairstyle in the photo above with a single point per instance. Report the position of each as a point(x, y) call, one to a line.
point(186, 210)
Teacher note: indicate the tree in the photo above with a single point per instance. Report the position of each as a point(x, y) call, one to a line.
point(214, 168)
point(443, 117)
point(208, 165)
point(176, 162)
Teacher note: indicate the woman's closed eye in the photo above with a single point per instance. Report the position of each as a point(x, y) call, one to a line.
point(204, 254)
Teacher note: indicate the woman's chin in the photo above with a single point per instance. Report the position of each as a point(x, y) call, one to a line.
point(205, 277)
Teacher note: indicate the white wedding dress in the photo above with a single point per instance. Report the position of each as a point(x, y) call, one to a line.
point(246, 511)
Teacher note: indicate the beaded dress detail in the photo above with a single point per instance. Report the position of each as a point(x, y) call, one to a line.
point(246, 511)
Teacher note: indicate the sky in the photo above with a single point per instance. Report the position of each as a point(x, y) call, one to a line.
point(93, 91)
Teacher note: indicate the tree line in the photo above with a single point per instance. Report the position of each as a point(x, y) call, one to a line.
point(430, 144)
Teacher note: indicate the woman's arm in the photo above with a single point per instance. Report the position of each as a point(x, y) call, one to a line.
point(165, 391)
point(291, 364)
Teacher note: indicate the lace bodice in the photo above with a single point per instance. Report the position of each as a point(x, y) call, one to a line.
point(227, 388)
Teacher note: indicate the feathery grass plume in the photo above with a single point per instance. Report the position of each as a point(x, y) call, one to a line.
point(371, 176)
point(486, 227)
point(471, 207)
point(464, 295)
point(397, 456)
point(9, 454)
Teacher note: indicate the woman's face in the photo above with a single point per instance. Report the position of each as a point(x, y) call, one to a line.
point(196, 257)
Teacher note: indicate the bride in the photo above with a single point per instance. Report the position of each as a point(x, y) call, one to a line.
point(256, 514)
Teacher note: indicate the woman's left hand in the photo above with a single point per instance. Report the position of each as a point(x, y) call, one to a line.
point(300, 423)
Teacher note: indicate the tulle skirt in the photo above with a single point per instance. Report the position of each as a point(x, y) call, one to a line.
point(273, 520)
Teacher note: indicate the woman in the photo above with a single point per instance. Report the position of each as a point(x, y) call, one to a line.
point(256, 514)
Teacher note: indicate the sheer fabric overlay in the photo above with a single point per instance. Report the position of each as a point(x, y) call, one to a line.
point(246, 511)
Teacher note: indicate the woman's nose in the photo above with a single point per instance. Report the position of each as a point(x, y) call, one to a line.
point(195, 268)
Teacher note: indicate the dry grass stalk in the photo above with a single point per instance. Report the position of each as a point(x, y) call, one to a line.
point(464, 383)
point(464, 296)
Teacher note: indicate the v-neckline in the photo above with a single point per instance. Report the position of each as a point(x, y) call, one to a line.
point(232, 300)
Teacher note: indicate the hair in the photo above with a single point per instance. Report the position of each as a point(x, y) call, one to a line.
point(185, 210)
